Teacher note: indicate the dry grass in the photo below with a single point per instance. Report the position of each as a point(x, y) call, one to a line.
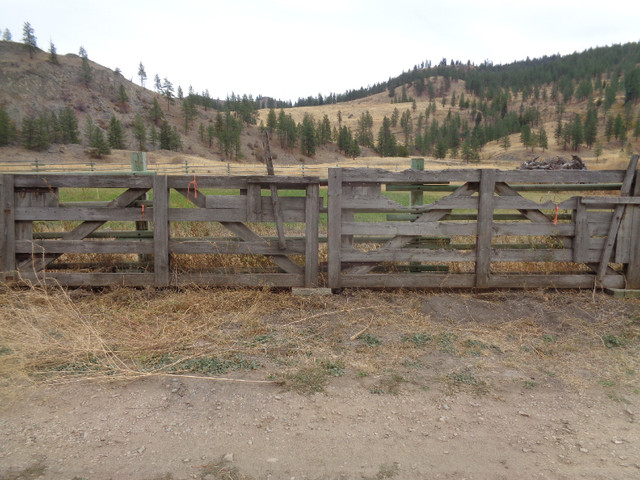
point(55, 335)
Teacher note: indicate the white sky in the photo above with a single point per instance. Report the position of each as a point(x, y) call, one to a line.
point(294, 48)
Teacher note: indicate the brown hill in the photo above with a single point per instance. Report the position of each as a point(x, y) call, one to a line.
point(29, 86)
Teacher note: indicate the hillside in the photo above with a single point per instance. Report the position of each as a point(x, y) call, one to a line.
point(457, 113)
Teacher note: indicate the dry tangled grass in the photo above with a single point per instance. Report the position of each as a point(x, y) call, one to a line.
point(57, 335)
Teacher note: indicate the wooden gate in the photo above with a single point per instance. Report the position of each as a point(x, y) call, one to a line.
point(212, 230)
point(484, 228)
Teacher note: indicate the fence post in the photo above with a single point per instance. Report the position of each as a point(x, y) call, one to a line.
point(485, 223)
point(160, 230)
point(334, 226)
point(37, 166)
point(7, 228)
point(633, 267)
point(311, 247)
point(416, 198)
point(186, 167)
point(139, 164)
point(228, 169)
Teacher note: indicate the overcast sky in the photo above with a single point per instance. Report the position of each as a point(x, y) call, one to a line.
point(295, 48)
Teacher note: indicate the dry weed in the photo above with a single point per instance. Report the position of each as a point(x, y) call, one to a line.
point(55, 335)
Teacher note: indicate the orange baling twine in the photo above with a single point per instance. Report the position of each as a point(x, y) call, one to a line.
point(555, 218)
point(143, 219)
point(195, 189)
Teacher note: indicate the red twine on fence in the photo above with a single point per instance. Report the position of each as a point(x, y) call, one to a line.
point(195, 189)
point(555, 218)
point(143, 219)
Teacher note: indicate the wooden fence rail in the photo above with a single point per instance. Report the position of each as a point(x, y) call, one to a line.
point(476, 228)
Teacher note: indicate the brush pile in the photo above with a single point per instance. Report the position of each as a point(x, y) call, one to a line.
point(554, 163)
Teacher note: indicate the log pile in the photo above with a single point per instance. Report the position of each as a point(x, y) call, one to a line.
point(554, 163)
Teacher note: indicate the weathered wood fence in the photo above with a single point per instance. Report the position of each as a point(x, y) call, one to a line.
point(117, 227)
point(487, 232)
point(479, 228)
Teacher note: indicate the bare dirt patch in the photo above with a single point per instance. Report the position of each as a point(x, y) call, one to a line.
point(252, 384)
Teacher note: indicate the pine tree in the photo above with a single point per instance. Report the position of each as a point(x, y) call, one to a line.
point(29, 39)
point(324, 131)
point(116, 134)
point(69, 126)
point(364, 134)
point(153, 137)
point(308, 136)
point(387, 145)
point(155, 112)
point(157, 84)
point(167, 91)
point(6, 35)
point(577, 133)
point(7, 128)
point(394, 117)
point(123, 98)
point(211, 134)
point(590, 125)
point(86, 74)
point(142, 74)
point(189, 112)
point(176, 140)
point(272, 120)
point(140, 132)
point(98, 146)
point(543, 141)
point(53, 55)
point(165, 136)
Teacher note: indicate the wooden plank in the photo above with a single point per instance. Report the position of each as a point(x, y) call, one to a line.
point(485, 221)
point(90, 279)
point(401, 255)
point(254, 202)
point(40, 247)
point(609, 201)
point(83, 181)
point(468, 175)
point(181, 182)
point(334, 227)
point(79, 214)
point(277, 212)
point(534, 187)
point(160, 230)
point(312, 214)
point(7, 226)
point(523, 255)
point(409, 280)
point(241, 280)
point(553, 281)
point(582, 236)
point(377, 175)
point(193, 247)
point(632, 269)
point(559, 176)
point(413, 229)
point(625, 190)
point(534, 229)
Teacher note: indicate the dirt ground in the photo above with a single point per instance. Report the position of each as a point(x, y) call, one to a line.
point(502, 385)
